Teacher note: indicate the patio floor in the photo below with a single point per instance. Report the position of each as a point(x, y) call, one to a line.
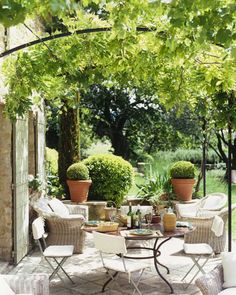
point(88, 275)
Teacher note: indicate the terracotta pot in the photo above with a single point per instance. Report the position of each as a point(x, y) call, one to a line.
point(183, 188)
point(169, 221)
point(79, 190)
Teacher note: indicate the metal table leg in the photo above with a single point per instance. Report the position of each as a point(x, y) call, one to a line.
point(108, 281)
point(156, 253)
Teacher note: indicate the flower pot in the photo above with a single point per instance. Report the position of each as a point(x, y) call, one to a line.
point(79, 190)
point(183, 188)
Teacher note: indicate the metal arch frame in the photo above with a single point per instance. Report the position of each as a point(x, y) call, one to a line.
point(67, 34)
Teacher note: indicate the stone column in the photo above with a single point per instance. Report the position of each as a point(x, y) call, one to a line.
point(6, 225)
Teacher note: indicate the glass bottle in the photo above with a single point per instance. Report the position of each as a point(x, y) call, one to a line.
point(130, 217)
point(138, 217)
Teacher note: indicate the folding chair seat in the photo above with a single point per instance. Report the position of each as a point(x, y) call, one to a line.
point(59, 254)
point(116, 245)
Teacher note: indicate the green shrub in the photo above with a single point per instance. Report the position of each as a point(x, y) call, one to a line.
point(77, 171)
point(182, 169)
point(112, 177)
point(54, 188)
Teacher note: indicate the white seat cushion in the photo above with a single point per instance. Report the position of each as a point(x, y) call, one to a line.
point(200, 248)
point(117, 265)
point(212, 202)
point(59, 251)
point(5, 288)
point(42, 204)
point(229, 291)
point(229, 263)
point(59, 208)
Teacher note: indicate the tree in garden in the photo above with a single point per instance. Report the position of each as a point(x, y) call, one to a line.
point(188, 53)
point(134, 121)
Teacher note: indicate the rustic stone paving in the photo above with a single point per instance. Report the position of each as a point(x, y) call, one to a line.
point(87, 272)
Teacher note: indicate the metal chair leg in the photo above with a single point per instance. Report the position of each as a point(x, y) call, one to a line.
point(199, 267)
point(60, 267)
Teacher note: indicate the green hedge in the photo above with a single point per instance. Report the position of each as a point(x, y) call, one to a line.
point(112, 177)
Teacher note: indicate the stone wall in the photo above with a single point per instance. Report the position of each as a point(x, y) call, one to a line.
point(6, 227)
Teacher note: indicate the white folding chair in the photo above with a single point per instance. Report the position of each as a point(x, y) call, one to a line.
point(116, 245)
point(198, 251)
point(58, 254)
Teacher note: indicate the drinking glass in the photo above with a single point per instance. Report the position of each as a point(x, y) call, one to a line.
point(112, 215)
point(149, 219)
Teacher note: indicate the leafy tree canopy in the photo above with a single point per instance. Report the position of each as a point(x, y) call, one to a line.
point(188, 55)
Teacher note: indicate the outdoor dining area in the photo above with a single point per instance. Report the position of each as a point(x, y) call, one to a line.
point(73, 254)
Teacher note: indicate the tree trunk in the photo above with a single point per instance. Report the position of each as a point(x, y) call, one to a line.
point(69, 145)
point(120, 144)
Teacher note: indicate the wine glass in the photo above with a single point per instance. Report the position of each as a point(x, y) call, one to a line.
point(112, 215)
point(149, 219)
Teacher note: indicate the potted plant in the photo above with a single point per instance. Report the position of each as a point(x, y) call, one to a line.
point(156, 191)
point(78, 182)
point(182, 178)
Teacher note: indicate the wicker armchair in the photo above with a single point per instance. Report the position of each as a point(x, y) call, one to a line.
point(207, 206)
point(35, 284)
point(212, 282)
point(203, 232)
point(64, 230)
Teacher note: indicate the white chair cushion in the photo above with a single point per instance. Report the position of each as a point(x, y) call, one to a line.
point(5, 288)
point(229, 264)
point(218, 226)
point(212, 201)
point(215, 201)
point(200, 248)
point(59, 251)
point(188, 210)
point(117, 265)
point(59, 208)
point(230, 291)
point(42, 204)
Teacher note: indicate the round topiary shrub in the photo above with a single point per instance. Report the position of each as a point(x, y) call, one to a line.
point(182, 170)
point(112, 177)
point(77, 171)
